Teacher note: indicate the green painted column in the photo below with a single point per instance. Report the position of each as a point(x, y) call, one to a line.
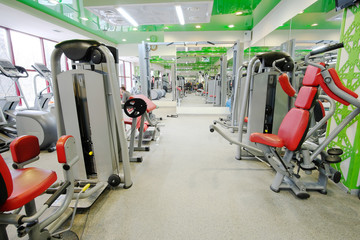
point(348, 67)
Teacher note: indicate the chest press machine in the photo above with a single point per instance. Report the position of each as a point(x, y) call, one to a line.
point(88, 106)
point(294, 130)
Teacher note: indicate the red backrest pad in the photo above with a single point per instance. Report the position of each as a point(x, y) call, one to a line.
point(60, 148)
point(285, 85)
point(293, 126)
point(311, 77)
point(24, 148)
point(305, 97)
point(150, 105)
point(339, 84)
point(6, 183)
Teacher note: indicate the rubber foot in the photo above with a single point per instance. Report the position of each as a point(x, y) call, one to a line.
point(303, 195)
point(274, 190)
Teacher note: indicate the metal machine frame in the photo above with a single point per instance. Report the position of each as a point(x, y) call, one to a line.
point(91, 111)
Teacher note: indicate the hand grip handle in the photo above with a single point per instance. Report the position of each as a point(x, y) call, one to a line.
point(327, 48)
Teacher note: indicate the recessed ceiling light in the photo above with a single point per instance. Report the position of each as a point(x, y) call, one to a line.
point(84, 18)
point(148, 39)
point(231, 26)
point(314, 24)
point(301, 12)
point(193, 9)
point(166, 28)
point(124, 40)
point(134, 29)
point(238, 13)
point(198, 26)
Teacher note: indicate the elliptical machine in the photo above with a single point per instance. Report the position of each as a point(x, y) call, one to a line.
point(41, 124)
point(43, 97)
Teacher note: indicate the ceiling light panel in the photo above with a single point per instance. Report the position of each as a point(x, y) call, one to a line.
point(155, 13)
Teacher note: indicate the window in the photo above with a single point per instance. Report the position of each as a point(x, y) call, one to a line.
point(125, 74)
point(27, 49)
point(4, 46)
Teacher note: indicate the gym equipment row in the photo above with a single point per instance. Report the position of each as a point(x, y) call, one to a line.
point(288, 149)
point(38, 122)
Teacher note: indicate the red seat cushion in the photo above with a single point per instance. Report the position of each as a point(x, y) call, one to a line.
point(293, 127)
point(28, 183)
point(24, 148)
point(6, 183)
point(150, 105)
point(128, 121)
point(305, 97)
point(138, 122)
point(338, 83)
point(267, 139)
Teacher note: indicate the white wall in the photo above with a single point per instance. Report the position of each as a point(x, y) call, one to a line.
point(279, 36)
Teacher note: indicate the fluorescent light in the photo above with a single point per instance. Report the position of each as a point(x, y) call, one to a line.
point(84, 18)
point(180, 14)
point(231, 26)
point(198, 26)
point(134, 29)
point(127, 17)
point(238, 13)
point(54, 1)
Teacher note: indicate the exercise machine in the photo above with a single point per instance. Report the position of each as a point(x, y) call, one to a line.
point(294, 130)
point(22, 185)
point(41, 124)
point(44, 96)
point(88, 106)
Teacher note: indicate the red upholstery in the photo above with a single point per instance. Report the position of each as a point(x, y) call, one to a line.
point(338, 83)
point(322, 108)
point(6, 184)
point(60, 148)
point(312, 76)
point(246, 119)
point(24, 148)
point(28, 184)
point(285, 85)
point(267, 139)
point(305, 97)
point(150, 105)
point(293, 127)
point(138, 122)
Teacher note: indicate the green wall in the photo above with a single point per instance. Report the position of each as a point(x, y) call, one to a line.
point(349, 72)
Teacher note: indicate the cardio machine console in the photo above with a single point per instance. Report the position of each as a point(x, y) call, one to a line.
point(8, 69)
point(41, 69)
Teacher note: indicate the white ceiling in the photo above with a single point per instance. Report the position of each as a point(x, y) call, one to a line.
point(155, 13)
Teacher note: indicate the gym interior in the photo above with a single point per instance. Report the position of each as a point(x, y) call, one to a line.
point(159, 119)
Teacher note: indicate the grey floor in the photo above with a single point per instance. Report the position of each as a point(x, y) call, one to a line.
point(190, 186)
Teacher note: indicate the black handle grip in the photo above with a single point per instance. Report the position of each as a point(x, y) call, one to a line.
point(55, 196)
point(327, 48)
